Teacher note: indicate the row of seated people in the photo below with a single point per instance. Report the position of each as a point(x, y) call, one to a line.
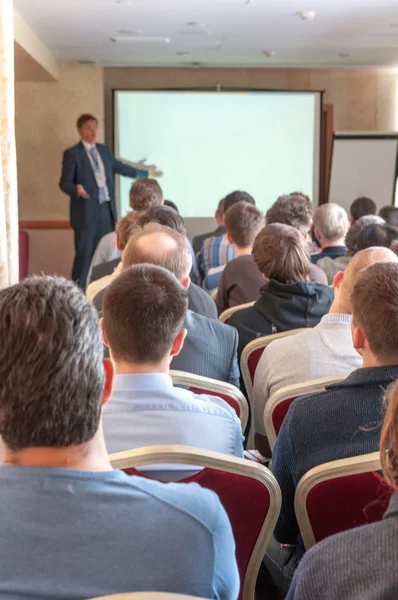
point(63, 409)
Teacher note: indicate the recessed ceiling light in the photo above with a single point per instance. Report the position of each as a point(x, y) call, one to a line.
point(345, 54)
point(194, 24)
point(130, 32)
point(307, 15)
point(134, 39)
point(182, 53)
point(194, 31)
point(269, 53)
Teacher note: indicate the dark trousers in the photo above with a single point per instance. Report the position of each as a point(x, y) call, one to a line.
point(86, 241)
point(281, 563)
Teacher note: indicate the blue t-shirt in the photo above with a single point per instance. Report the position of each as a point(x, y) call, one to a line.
point(69, 534)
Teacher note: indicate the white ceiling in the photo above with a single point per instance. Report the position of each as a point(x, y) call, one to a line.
point(239, 31)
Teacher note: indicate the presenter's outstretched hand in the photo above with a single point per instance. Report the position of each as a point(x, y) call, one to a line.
point(81, 192)
point(153, 171)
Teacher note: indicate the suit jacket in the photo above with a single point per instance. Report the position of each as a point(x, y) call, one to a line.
point(210, 349)
point(76, 168)
point(198, 240)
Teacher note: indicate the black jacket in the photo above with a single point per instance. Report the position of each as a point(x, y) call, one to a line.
point(282, 306)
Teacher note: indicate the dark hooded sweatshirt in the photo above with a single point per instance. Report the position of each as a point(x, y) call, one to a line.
point(282, 306)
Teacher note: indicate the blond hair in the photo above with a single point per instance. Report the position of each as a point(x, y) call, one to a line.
point(331, 221)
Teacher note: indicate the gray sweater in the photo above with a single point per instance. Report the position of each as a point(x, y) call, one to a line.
point(360, 564)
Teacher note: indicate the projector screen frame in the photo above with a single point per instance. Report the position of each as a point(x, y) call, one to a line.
point(357, 135)
point(219, 89)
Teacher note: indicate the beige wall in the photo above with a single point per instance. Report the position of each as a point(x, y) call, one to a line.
point(364, 100)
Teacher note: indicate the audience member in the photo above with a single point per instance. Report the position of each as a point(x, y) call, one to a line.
point(288, 299)
point(66, 515)
point(377, 235)
point(344, 420)
point(144, 193)
point(125, 228)
point(199, 301)
point(210, 348)
point(332, 266)
point(172, 205)
point(363, 561)
point(296, 210)
point(323, 351)
point(390, 215)
point(198, 240)
point(330, 228)
point(361, 207)
point(144, 311)
point(217, 250)
point(240, 280)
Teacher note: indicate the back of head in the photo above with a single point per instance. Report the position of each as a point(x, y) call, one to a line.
point(143, 310)
point(235, 197)
point(374, 301)
point(51, 370)
point(280, 253)
point(361, 207)
point(390, 215)
point(293, 209)
point(172, 205)
point(377, 235)
point(331, 222)
point(159, 245)
point(243, 222)
point(144, 194)
point(361, 260)
point(351, 239)
point(125, 229)
point(164, 215)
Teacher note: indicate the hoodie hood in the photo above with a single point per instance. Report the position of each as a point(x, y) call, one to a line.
point(293, 305)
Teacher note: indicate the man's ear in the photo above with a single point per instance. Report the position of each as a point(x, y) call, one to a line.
point(178, 343)
point(104, 338)
point(358, 339)
point(117, 244)
point(229, 238)
point(338, 279)
point(186, 282)
point(109, 375)
point(317, 235)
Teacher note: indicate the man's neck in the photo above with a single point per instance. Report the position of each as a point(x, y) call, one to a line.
point(339, 308)
point(125, 368)
point(242, 251)
point(332, 244)
point(369, 360)
point(91, 456)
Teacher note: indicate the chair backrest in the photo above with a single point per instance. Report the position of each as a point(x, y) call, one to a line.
point(23, 254)
point(279, 402)
point(226, 315)
point(247, 490)
point(147, 596)
point(205, 385)
point(340, 495)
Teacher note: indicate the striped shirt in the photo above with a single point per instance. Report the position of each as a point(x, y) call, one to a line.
point(216, 251)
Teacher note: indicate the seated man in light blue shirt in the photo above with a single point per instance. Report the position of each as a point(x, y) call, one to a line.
point(144, 310)
point(70, 526)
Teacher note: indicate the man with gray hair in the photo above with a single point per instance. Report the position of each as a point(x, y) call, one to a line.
point(65, 514)
point(330, 228)
point(210, 348)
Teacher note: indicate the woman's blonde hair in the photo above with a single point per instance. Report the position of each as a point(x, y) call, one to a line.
point(389, 439)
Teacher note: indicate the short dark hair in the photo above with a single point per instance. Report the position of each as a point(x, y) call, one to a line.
point(243, 222)
point(235, 197)
point(374, 301)
point(377, 235)
point(144, 309)
point(125, 229)
point(352, 237)
point(280, 253)
point(164, 215)
point(84, 119)
point(390, 215)
point(172, 205)
point(177, 258)
point(363, 206)
point(292, 209)
point(145, 193)
point(51, 371)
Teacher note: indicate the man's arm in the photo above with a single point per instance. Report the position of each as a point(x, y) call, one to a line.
point(68, 175)
point(226, 576)
point(126, 170)
point(283, 467)
point(234, 375)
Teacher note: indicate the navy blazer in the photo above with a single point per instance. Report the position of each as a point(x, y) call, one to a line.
point(76, 168)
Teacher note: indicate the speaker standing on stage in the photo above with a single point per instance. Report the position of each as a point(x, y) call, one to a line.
point(87, 177)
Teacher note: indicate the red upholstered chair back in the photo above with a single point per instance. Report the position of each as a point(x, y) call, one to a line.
point(204, 385)
point(280, 412)
point(341, 495)
point(250, 496)
point(23, 254)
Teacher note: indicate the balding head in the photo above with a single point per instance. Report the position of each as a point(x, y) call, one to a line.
point(344, 281)
point(159, 245)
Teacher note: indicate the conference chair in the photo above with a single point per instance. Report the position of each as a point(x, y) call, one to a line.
point(279, 402)
point(248, 491)
point(340, 495)
point(148, 596)
point(227, 314)
point(205, 385)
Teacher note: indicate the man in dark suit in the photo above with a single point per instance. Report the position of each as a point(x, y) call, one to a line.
point(87, 177)
point(198, 240)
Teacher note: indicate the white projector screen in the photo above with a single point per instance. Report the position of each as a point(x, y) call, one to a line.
point(210, 143)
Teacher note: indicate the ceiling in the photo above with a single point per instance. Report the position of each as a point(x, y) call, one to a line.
point(230, 32)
